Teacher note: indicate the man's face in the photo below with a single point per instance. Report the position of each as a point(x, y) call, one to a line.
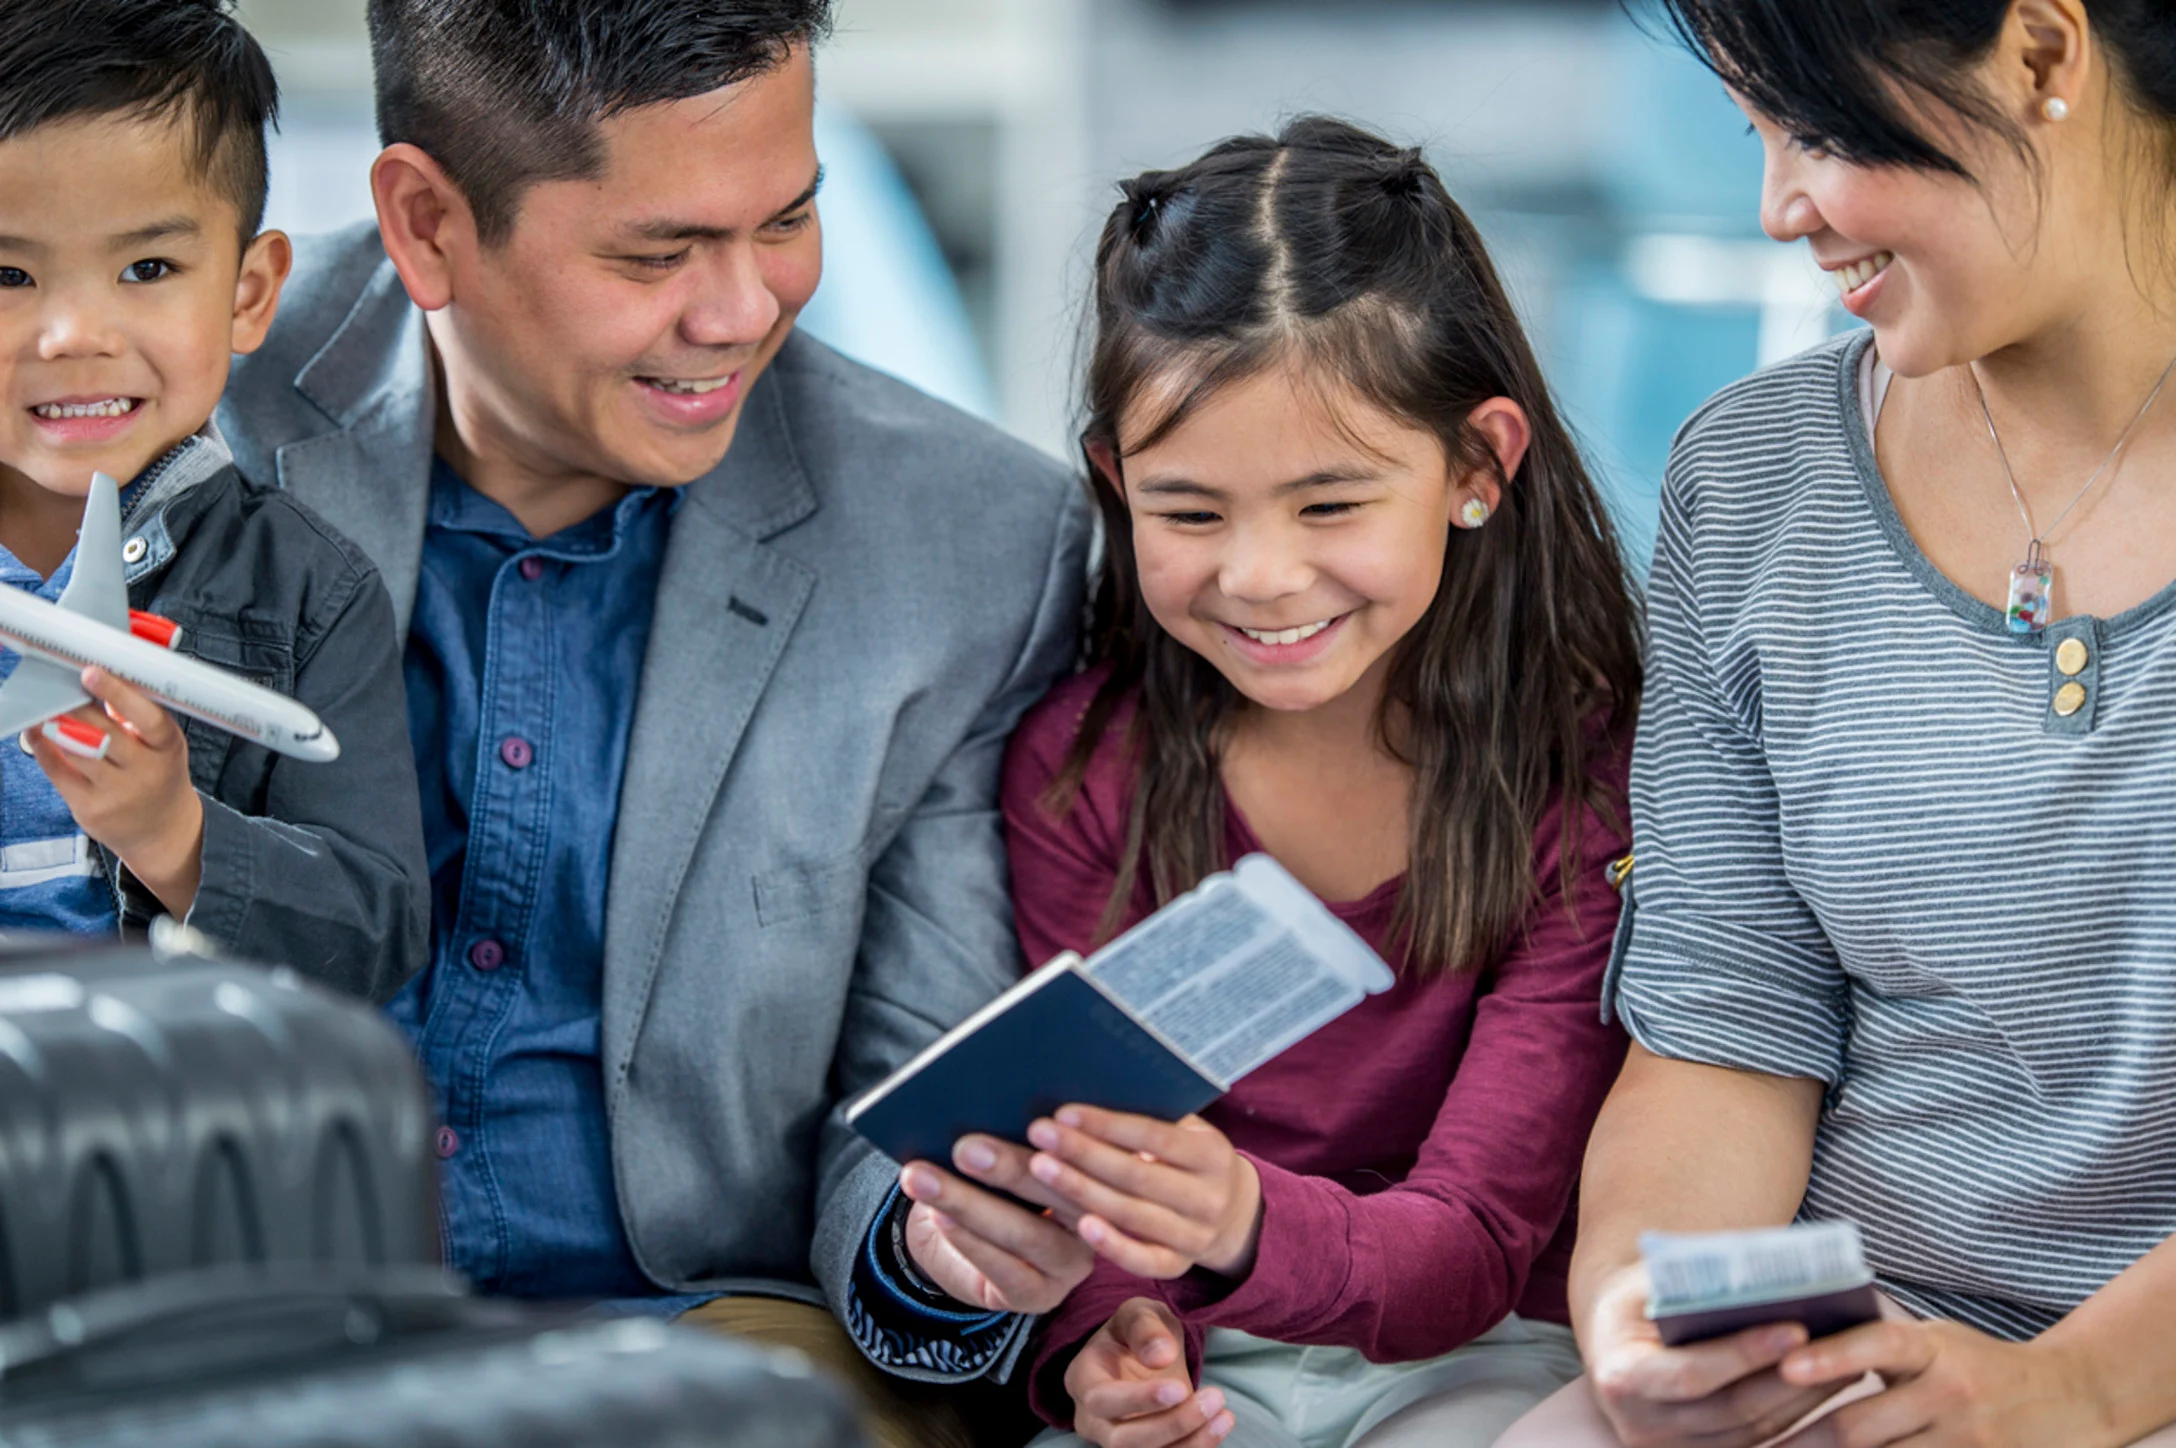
point(124, 288)
point(617, 331)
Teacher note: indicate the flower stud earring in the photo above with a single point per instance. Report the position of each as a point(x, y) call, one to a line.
point(1474, 514)
point(2055, 108)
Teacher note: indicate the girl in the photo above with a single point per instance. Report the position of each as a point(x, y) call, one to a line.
point(1361, 610)
point(1905, 917)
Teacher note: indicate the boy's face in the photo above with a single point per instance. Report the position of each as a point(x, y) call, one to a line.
point(124, 289)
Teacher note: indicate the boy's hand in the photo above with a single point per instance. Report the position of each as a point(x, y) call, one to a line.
point(137, 801)
point(1130, 1388)
point(1157, 1198)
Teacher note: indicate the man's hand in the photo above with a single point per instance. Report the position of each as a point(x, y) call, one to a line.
point(1130, 1388)
point(1158, 1198)
point(137, 801)
point(1950, 1387)
point(983, 1249)
point(1722, 1394)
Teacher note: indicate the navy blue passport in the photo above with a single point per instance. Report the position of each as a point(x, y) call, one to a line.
point(1053, 1040)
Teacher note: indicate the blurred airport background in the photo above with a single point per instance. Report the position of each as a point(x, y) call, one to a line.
point(973, 146)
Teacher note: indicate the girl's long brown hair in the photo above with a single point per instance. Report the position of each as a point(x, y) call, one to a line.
point(1330, 250)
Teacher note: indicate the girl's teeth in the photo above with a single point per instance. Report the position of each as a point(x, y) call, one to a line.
point(1850, 278)
point(63, 411)
point(1285, 637)
point(693, 389)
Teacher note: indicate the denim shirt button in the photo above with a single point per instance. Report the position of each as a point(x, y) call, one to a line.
point(516, 752)
point(449, 1142)
point(487, 955)
point(532, 568)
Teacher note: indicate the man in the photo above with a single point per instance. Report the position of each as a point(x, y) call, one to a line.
point(708, 740)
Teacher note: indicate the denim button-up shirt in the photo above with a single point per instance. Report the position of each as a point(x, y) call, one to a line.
point(522, 664)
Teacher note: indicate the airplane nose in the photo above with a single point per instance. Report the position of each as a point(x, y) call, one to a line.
point(319, 748)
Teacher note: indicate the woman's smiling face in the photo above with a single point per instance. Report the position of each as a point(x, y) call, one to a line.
point(1292, 535)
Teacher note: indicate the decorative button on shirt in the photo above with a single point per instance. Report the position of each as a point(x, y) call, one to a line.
point(532, 569)
point(2069, 699)
point(449, 1142)
point(487, 955)
point(516, 753)
point(2072, 657)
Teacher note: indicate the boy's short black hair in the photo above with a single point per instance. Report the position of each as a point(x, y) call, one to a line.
point(506, 93)
point(188, 60)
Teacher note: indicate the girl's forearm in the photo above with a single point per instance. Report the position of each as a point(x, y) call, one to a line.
point(1688, 1148)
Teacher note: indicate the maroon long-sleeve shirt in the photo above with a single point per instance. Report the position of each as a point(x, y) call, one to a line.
point(1418, 1156)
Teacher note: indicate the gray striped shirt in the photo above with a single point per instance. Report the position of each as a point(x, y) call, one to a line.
point(1872, 851)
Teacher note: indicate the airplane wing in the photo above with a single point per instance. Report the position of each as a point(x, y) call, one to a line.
point(96, 588)
point(35, 692)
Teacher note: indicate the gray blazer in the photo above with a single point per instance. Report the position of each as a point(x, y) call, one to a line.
point(808, 877)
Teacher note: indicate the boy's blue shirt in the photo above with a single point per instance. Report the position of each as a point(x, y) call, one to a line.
point(50, 876)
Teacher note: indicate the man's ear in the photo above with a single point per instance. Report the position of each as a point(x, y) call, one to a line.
point(424, 220)
point(265, 267)
point(1503, 425)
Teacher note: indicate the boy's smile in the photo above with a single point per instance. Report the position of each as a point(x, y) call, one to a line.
point(120, 300)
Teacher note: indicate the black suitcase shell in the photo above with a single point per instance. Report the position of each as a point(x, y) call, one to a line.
point(164, 1112)
point(285, 1358)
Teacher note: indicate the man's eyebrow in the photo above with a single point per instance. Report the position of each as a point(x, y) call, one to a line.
point(667, 229)
point(20, 243)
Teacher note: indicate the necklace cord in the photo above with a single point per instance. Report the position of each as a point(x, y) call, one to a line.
point(2024, 511)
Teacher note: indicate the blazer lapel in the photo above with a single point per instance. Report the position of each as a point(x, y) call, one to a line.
point(371, 478)
point(726, 606)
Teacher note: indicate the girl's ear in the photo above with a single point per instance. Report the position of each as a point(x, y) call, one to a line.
point(1503, 426)
point(1104, 459)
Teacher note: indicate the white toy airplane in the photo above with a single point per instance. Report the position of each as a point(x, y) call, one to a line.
point(93, 624)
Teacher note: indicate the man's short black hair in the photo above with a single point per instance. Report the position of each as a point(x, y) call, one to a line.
point(185, 60)
point(506, 93)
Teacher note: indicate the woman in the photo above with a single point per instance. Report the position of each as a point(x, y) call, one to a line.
point(1903, 924)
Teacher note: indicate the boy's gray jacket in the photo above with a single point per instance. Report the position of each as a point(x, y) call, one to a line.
point(315, 866)
point(808, 877)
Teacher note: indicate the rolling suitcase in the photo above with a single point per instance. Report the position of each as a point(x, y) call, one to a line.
point(165, 1112)
point(304, 1358)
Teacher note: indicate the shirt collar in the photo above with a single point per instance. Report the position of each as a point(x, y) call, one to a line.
point(459, 508)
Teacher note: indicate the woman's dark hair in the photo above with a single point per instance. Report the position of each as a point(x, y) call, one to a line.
point(1329, 250)
point(1843, 75)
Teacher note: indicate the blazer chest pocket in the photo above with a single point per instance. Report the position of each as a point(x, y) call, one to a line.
point(254, 649)
point(806, 889)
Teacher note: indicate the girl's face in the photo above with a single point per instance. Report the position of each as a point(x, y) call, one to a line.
point(1292, 538)
point(1948, 271)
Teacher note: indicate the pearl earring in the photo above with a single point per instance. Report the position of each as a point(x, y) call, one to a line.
point(1474, 514)
point(2055, 108)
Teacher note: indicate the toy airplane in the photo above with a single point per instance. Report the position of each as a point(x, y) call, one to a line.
point(93, 624)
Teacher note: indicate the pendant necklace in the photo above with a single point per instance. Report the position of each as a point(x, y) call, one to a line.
point(2032, 583)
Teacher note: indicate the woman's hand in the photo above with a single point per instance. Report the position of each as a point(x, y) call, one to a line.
point(1130, 1388)
point(1722, 1394)
point(1157, 1198)
point(1951, 1387)
point(137, 801)
point(984, 1249)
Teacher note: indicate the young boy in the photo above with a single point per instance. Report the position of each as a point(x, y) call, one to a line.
point(132, 185)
